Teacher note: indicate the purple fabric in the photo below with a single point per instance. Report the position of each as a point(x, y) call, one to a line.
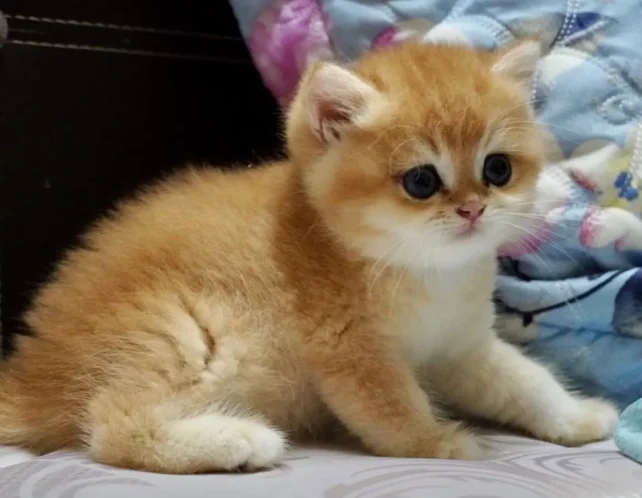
point(287, 37)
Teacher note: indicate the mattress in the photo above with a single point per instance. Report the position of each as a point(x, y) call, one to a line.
point(516, 468)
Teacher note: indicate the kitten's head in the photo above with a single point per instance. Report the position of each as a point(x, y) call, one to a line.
point(422, 155)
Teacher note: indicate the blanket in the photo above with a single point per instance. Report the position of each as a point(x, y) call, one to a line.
point(571, 291)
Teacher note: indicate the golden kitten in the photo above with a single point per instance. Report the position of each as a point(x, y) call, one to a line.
point(219, 313)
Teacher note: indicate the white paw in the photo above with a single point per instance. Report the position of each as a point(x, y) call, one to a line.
point(463, 445)
point(267, 448)
point(591, 420)
point(455, 442)
point(230, 444)
point(598, 419)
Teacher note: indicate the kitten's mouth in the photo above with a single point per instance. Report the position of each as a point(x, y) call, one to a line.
point(468, 231)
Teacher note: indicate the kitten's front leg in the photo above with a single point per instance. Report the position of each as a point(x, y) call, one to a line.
point(377, 397)
point(498, 383)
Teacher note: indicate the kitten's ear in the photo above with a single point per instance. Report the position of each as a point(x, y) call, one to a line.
point(519, 62)
point(337, 99)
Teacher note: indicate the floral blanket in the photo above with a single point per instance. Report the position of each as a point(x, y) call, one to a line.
point(572, 290)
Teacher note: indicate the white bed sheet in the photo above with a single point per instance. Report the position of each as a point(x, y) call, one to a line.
point(516, 468)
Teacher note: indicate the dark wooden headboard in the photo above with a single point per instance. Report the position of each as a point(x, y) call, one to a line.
point(100, 97)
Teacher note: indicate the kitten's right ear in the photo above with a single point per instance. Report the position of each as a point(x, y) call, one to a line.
point(336, 99)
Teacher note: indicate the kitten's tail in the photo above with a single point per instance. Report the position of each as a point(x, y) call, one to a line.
point(12, 430)
point(33, 416)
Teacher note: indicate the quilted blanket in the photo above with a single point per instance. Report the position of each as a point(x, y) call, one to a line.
point(571, 291)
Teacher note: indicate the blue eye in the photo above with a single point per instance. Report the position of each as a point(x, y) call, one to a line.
point(421, 182)
point(497, 170)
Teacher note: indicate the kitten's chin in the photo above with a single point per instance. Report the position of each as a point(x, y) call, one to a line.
point(436, 253)
point(467, 249)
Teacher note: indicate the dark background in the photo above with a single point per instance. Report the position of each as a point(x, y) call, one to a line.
point(80, 127)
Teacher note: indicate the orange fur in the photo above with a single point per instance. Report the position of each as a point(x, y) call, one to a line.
point(220, 313)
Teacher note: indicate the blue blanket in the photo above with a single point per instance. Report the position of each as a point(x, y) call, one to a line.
point(572, 290)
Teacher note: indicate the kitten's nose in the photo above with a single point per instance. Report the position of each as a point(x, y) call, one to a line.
point(471, 211)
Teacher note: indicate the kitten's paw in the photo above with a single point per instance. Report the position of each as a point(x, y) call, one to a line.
point(592, 420)
point(266, 445)
point(447, 441)
point(459, 444)
point(246, 445)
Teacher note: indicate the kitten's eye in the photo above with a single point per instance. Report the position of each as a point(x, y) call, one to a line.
point(497, 170)
point(421, 182)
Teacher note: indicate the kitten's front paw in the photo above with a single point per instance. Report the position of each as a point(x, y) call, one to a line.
point(592, 420)
point(448, 441)
point(452, 442)
point(458, 444)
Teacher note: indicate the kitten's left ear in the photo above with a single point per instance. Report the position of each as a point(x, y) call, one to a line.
point(337, 99)
point(519, 62)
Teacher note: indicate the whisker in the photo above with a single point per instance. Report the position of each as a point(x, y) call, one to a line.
point(394, 291)
point(388, 130)
point(397, 247)
point(521, 104)
point(571, 305)
point(548, 236)
point(538, 122)
point(534, 216)
point(394, 151)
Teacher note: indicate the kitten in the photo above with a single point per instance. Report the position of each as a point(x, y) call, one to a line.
point(220, 314)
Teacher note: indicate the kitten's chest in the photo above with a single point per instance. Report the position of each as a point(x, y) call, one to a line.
point(437, 318)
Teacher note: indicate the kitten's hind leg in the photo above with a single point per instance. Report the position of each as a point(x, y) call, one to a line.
point(498, 383)
point(149, 432)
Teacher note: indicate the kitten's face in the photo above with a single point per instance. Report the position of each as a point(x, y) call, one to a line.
point(423, 156)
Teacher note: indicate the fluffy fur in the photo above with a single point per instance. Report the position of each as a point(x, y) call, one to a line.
point(219, 314)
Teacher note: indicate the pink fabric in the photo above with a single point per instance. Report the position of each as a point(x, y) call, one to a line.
point(287, 37)
point(385, 38)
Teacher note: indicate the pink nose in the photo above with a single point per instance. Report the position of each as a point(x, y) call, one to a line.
point(471, 211)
